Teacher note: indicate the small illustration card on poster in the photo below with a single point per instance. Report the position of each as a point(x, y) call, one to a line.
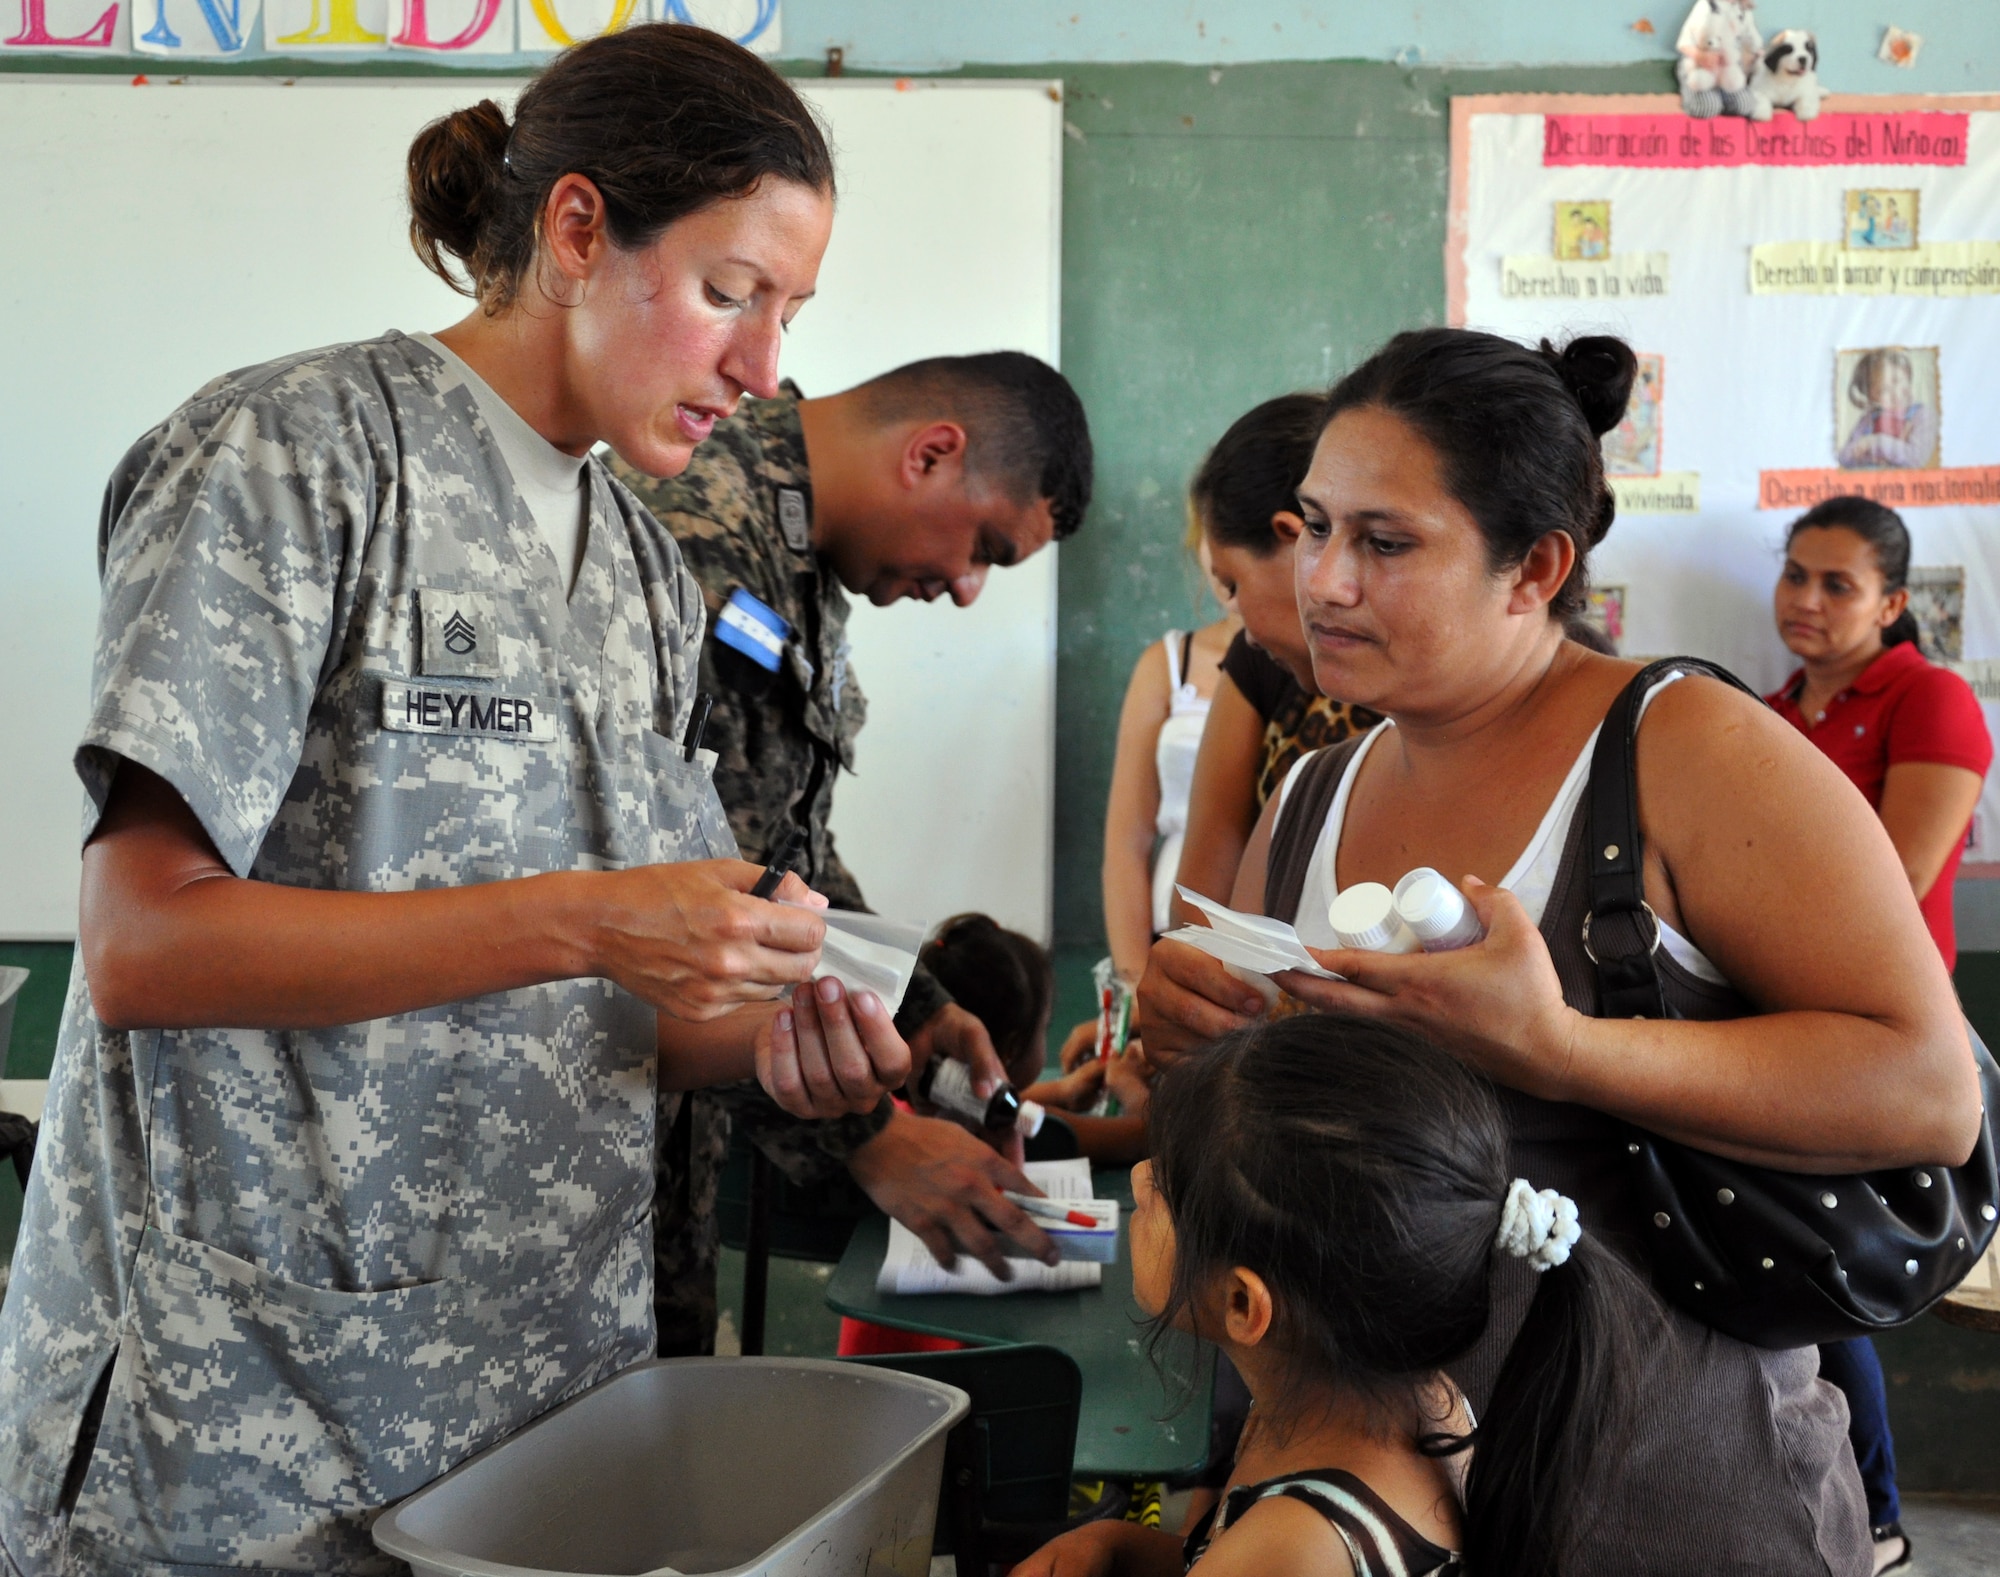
point(1937, 602)
point(1605, 613)
point(1632, 448)
point(1583, 232)
point(1880, 219)
point(1886, 408)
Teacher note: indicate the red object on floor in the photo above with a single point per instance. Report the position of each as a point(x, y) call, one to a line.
point(864, 1339)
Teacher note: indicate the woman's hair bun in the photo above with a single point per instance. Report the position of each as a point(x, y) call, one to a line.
point(456, 164)
point(1598, 369)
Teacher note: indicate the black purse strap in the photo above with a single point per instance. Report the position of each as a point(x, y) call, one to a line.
point(1621, 933)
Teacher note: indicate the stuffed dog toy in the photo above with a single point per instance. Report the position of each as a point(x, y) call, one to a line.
point(1787, 76)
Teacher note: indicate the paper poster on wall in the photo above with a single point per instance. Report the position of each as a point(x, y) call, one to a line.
point(1836, 322)
point(293, 26)
point(193, 29)
point(1960, 487)
point(1886, 413)
point(216, 29)
point(96, 26)
point(1636, 277)
point(455, 27)
point(1669, 493)
point(1937, 603)
point(1672, 140)
point(1827, 268)
point(1632, 448)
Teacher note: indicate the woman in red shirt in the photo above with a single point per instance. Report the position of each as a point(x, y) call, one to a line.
point(1912, 737)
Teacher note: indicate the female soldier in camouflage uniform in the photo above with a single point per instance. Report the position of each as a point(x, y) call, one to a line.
point(350, 1145)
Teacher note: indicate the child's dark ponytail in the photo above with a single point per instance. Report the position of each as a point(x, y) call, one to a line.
point(1362, 1172)
point(1561, 1402)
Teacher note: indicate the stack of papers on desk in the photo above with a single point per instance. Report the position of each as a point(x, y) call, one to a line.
point(909, 1269)
point(1252, 942)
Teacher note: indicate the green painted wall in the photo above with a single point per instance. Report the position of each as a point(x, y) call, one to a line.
point(38, 1009)
point(1227, 235)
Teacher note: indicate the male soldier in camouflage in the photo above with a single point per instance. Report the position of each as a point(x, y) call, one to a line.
point(914, 484)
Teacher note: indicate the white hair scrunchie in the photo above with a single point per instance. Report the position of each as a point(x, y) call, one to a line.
point(1540, 1227)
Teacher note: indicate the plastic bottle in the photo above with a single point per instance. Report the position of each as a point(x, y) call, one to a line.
point(1364, 917)
point(1436, 912)
point(947, 1085)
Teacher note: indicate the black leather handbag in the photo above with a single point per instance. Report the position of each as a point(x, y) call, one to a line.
point(1776, 1259)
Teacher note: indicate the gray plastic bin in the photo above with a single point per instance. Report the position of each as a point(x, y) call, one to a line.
point(753, 1467)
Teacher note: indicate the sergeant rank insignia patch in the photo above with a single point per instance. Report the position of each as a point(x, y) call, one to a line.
point(455, 635)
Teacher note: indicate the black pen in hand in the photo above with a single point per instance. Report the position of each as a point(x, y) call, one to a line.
point(787, 856)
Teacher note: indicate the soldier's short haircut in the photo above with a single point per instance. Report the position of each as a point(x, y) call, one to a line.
point(1025, 429)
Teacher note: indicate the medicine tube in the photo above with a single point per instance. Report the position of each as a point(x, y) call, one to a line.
point(1364, 917)
point(1436, 912)
point(947, 1085)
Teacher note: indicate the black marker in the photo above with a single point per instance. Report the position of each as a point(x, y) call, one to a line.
point(787, 856)
point(697, 725)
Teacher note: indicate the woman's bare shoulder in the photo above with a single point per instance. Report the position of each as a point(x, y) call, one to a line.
point(1699, 725)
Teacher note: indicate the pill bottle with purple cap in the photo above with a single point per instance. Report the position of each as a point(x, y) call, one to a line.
point(1436, 912)
point(1364, 917)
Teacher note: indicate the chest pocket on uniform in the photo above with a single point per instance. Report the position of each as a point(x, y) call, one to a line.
point(687, 818)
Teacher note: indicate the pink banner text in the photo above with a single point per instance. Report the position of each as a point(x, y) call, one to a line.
point(1679, 142)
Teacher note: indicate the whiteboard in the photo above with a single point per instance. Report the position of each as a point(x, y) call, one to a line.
point(162, 235)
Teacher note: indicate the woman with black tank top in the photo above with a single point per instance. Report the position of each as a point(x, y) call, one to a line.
point(1454, 496)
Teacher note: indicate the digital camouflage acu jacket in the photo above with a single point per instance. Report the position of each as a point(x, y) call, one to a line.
point(313, 1269)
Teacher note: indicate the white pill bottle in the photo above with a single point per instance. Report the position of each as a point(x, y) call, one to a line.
point(1364, 918)
point(1436, 912)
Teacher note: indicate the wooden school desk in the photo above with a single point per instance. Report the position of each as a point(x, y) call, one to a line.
point(1133, 1425)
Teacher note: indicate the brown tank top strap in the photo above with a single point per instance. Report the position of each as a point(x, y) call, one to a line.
point(1315, 782)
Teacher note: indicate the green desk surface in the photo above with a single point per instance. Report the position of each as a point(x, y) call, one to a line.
point(1134, 1424)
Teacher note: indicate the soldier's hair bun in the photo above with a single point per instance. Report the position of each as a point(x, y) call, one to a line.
point(455, 164)
point(663, 119)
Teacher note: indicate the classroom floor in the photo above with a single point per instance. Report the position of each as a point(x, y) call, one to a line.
point(1952, 1537)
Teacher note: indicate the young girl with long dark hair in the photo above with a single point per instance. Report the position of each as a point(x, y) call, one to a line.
point(1335, 1235)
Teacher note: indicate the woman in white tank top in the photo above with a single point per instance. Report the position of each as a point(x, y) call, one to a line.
point(1454, 495)
point(1159, 735)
